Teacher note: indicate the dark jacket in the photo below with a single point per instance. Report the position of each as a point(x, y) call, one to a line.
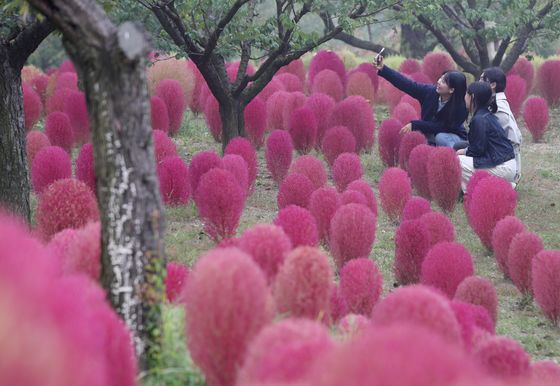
point(432, 121)
point(488, 144)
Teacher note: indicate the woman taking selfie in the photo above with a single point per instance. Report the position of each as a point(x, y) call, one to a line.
point(443, 110)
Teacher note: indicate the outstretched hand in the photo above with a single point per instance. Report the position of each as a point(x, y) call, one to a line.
point(379, 63)
point(406, 129)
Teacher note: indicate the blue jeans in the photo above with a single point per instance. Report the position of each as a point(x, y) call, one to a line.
point(447, 139)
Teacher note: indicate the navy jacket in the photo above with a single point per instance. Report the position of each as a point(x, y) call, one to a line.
point(432, 121)
point(488, 144)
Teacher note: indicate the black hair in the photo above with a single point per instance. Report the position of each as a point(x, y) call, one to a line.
point(495, 75)
point(458, 82)
point(482, 98)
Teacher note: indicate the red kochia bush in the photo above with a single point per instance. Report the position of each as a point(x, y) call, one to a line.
point(445, 266)
point(536, 117)
point(32, 106)
point(268, 245)
point(213, 118)
point(337, 305)
point(66, 203)
point(50, 164)
point(364, 188)
point(278, 154)
point(359, 83)
point(159, 114)
point(524, 68)
point(242, 146)
point(412, 242)
point(163, 146)
point(322, 106)
point(356, 114)
point(352, 233)
point(82, 252)
point(295, 67)
point(236, 165)
point(361, 284)
point(303, 129)
point(329, 83)
point(516, 92)
point(389, 141)
point(435, 63)
point(284, 352)
point(492, 200)
point(291, 82)
point(408, 142)
point(474, 180)
point(410, 66)
point(411, 101)
point(171, 92)
point(76, 108)
point(296, 189)
point(175, 280)
point(295, 101)
point(545, 371)
point(502, 235)
point(226, 302)
point(275, 110)
point(352, 197)
point(85, 168)
point(326, 60)
point(346, 168)
point(299, 224)
point(255, 121)
point(371, 71)
point(302, 286)
point(220, 201)
point(59, 130)
point(503, 358)
point(394, 192)
point(195, 102)
point(337, 140)
point(39, 84)
point(272, 87)
point(174, 183)
point(548, 78)
point(439, 227)
point(524, 247)
point(323, 204)
point(312, 168)
point(34, 142)
point(481, 292)
point(444, 177)
point(414, 208)
point(404, 113)
point(545, 279)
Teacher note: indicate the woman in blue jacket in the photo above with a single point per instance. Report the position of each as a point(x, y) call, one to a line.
point(489, 147)
point(443, 109)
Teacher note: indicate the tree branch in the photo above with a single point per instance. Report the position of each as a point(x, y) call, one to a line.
point(28, 40)
point(213, 38)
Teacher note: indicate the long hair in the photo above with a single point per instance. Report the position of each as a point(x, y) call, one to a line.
point(481, 97)
point(457, 110)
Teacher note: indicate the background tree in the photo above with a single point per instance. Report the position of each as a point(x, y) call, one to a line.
point(111, 63)
point(416, 42)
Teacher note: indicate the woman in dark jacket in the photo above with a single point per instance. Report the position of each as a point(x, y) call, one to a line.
point(443, 109)
point(489, 147)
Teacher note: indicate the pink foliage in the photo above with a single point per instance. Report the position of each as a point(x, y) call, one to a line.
point(412, 242)
point(444, 177)
point(364, 188)
point(359, 83)
point(536, 117)
point(413, 102)
point(322, 106)
point(439, 227)
point(50, 164)
point(361, 284)
point(337, 305)
point(337, 140)
point(503, 358)
point(195, 104)
point(356, 114)
point(236, 165)
point(275, 105)
point(410, 66)
point(66, 203)
point(352, 197)
point(175, 280)
point(326, 60)
point(295, 189)
point(278, 154)
point(418, 169)
point(390, 93)
point(303, 284)
point(516, 92)
point(404, 113)
point(303, 129)
point(545, 279)
point(35, 141)
point(163, 146)
point(232, 70)
point(295, 67)
point(346, 168)
point(323, 204)
point(548, 81)
point(255, 121)
point(270, 89)
point(503, 233)
point(523, 249)
point(436, 63)
point(481, 292)
point(545, 371)
point(67, 66)
point(174, 184)
point(394, 191)
point(159, 114)
point(352, 324)
point(371, 71)
point(470, 317)
point(220, 201)
point(312, 168)
point(420, 77)
point(213, 118)
point(471, 185)
point(171, 92)
point(226, 302)
point(524, 68)
point(67, 79)
point(241, 146)
point(299, 224)
point(296, 100)
point(408, 142)
point(389, 141)
point(40, 83)
point(32, 106)
point(76, 109)
point(291, 82)
point(414, 208)
point(85, 168)
point(55, 101)
point(328, 82)
point(59, 130)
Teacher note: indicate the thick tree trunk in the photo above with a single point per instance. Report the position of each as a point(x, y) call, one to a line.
point(415, 42)
point(14, 179)
point(233, 120)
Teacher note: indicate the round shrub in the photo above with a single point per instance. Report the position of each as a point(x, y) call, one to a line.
point(337, 305)
point(59, 130)
point(291, 82)
point(50, 164)
point(481, 292)
point(412, 242)
point(268, 245)
point(255, 121)
point(195, 101)
point(236, 165)
point(159, 115)
point(364, 188)
point(524, 68)
point(465, 314)
point(361, 284)
point(545, 278)
point(474, 180)
point(302, 286)
point(170, 91)
point(278, 154)
point(410, 66)
point(66, 203)
point(226, 302)
point(85, 167)
point(404, 113)
point(548, 80)
point(323, 60)
point(394, 192)
point(232, 69)
point(177, 70)
point(80, 253)
point(445, 266)
point(337, 140)
point(220, 201)
point(418, 169)
point(270, 89)
point(516, 93)
point(503, 358)
point(439, 227)
point(39, 84)
point(351, 233)
point(353, 197)
point(242, 146)
point(303, 129)
point(295, 67)
point(76, 108)
point(436, 63)
point(295, 101)
point(163, 146)
point(359, 83)
point(536, 117)
point(502, 235)
point(323, 204)
point(415, 208)
point(524, 247)
point(371, 71)
point(322, 106)
point(352, 324)
point(34, 142)
point(312, 168)
point(408, 142)
point(389, 141)
point(213, 118)
point(275, 110)
point(389, 93)
point(444, 177)
point(201, 163)
point(299, 224)
point(346, 168)
point(32, 106)
point(174, 184)
point(296, 189)
point(545, 371)
point(413, 102)
point(175, 279)
point(328, 82)
point(55, 101)
point(356, 114)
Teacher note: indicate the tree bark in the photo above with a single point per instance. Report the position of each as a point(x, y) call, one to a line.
point(111, 61)
point(415, 42)
point(233, 120)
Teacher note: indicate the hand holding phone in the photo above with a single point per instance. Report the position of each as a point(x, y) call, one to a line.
point(379, 59)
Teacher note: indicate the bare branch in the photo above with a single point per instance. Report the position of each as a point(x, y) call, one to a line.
point(213, 39)
point(28, 40)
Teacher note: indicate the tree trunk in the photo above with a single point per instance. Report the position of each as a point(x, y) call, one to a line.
point(233, 120)
point(415, 42)
point(14, 178)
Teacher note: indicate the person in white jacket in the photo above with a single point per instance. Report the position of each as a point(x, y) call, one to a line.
point(497, 79)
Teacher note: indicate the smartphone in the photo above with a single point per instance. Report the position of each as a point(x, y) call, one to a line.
point(378, 56)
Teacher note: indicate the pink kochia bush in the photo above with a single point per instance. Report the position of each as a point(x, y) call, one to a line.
point(323, 204)
point(278, 154)
point(503, 358)
point(389, 141)
point(322, 106)
point(85, 168)
point(474, 180)
point(174, 184)
point(201, 163)
point(32, 106)
point(59, 130)
point(76, 109)
point(295, 67)
point(175, 280)
point(410, 66)
point(226, 302)
point(236, 165)
point(359, 83)
point(364, 188)
point(296, 189)
point(404, 113)
point(439, 227)
point(295, 101)
point(444, 177)
point(523, 248)
point(312, 168)
point(545, 278)
point(351, 233)
point(492, 199)
point(394, 192)
point(412, 242)
point(50, 164)
point(356, 114)
point(548, 78)
point(535, 114)
point(170, 91)
point(481, 292)
point(418, 169)
point(34, 142)
point(212, 117)
point(267, 245)
point(415, 208)
point(275, 110)
point(302, 286)
point(503, 233)
point(337, 140)
point(299, 224)
point(255, 121)
point(408, 142)
point(435, 63)
point(516, 92)
point(361, 284)
point(346, 168)
point(242, 146)
point(291, 82)
point(159, 114)
point(284, 352)
point(66, 203)
point(163, 146)
point(329, 83)
point(545, 371)
point(303, 129)
point(220, 201)
point(353, 197)
point(326, 60)
point(524, 68)
point(445, 266)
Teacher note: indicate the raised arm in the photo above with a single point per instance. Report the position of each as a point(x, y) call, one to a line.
point(416, 90)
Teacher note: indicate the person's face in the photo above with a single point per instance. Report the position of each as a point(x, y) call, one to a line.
point(443, 88)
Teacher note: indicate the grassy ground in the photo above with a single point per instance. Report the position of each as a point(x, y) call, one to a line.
point(538, 207)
